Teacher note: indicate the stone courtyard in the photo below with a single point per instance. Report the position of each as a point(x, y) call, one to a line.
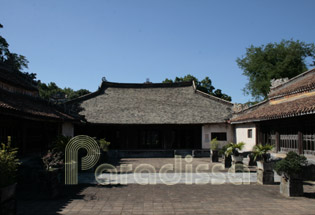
point(169, 199)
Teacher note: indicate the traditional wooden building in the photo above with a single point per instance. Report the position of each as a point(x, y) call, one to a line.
point(286, 119)
point(151, 116)
point(31, 122)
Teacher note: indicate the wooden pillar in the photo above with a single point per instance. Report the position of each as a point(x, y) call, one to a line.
point(300, 142)
point(258, 134)
point(277, 141)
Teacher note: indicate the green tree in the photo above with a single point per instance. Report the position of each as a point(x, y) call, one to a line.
point(272, 61)
point(204, 85)
point(13, 61)
point(47, 91)
point(16, 63)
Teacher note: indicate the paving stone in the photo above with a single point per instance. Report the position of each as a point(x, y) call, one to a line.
point(174, 199)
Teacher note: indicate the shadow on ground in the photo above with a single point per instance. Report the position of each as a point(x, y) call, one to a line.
point(33, 196)
point(32, 202)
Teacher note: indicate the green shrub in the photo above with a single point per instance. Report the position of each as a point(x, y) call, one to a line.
point(291, 166)
point(262, 151)
point(214, 144)
point(8, 164)
point(60, 143)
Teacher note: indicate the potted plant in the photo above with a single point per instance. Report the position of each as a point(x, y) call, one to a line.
point(227, 158)
point(261, 154)
point(234, 151)
point(237, 159)
point(291, 168)
point(54, 167)
point(104, 146)
point(8, 177)
point(214, 146)
point(54, 164)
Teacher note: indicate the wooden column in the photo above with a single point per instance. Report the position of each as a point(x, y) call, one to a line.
point(277, 141)
point(300, 142)
point(258, 135)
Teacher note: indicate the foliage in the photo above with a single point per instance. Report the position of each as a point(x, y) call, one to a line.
point(273, 61)
point(214, 144)
point(204, 85)
point(103, 144)
point(47, 91)
point(262, 151)
point(55, 157)
point(8, 164)
point(17, 63)
point(60, 143)
point(224, 149)
point(13, 61)
point(291, 166)
point(233, 149)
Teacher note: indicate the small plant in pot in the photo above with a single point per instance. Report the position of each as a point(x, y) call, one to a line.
point(291, 168)
point(54, 165)
point(214, 146)
point(227, 158)
point(8, 168)
point(234, 151)
point(237, 158)
point(261, 154)
point(104, 146)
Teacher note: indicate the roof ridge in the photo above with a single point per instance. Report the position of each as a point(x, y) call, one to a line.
point(145, 85)
point(212, 96)
point(106, 84)
point(295, 77)
point(253, 106)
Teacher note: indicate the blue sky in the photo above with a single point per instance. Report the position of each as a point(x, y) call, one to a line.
point(76, 43)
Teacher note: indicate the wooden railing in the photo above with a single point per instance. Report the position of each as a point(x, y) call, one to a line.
point(309, 144)
point(288, 142)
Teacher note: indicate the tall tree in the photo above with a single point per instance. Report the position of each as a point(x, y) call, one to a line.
point(13, 61)
point(51, 89)
point(204, 85)
point(16, 63)
point(272, 61)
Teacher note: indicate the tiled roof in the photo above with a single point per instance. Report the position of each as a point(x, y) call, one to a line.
point(179, 103)
point(27, 106)
point(293, 98)
point(15, 79)
point(274, 110)
point(301, 83)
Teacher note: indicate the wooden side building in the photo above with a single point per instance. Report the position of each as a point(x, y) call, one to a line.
point(286, 119)
point(31, 122)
